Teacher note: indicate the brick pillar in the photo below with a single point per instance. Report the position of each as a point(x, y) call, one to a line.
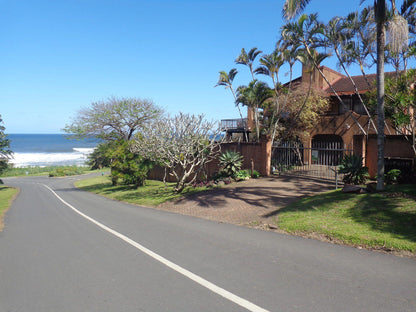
point(266, 155)
point(307, 152)
point(371, 157)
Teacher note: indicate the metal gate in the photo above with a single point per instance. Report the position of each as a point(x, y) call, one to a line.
point(319, 161)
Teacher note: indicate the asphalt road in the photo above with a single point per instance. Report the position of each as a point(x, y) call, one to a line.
point(129, 258)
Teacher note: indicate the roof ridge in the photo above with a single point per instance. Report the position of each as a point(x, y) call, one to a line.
point(332, 70)
point(328, 88)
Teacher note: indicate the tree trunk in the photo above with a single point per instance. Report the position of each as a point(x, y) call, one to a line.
point(380, 17)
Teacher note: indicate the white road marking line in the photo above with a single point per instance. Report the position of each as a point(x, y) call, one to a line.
point(201, 281)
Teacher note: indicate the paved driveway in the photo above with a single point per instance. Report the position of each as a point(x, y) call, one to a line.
point(254, 202)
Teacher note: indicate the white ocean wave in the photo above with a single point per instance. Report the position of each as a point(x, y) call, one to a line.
point(78, 158)
point(84, 150)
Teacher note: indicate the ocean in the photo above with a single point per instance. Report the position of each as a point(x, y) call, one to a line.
point(49, 150)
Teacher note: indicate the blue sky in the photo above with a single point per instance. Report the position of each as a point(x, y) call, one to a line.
point(58, 56)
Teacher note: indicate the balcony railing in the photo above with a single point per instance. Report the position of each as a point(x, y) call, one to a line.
point(234, 124)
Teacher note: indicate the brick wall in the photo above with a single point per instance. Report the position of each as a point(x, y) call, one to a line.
point(395, 147)
point(255, 156)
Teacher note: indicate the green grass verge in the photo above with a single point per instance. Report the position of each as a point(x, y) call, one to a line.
point(381, 220)
point(6, 196)
point(49, 170)
point(151, 194)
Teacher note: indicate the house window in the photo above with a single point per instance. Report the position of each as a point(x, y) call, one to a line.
point(358, 106)
point(343, 108)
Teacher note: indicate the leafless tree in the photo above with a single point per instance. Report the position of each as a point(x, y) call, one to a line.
point(182, 144)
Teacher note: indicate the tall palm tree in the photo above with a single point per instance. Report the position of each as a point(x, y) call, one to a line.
point(291, 8)
point(290, 46)
point(337, 36)
point(306, 29)
point(248, 59)
point(380, 15)
point(408, 11)
point(361, 48)
point(226, 79)
point(270, 66)
point(254, 96)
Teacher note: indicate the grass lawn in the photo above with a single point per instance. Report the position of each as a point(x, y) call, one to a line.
point(152, 194)
point(381, 220)
point(49, 170)
point(6, 196)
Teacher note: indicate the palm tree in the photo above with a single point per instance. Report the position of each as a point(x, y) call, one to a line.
point(362, 42)
point(408, 11)
point(337, 36)
point(291, 47)
point(270, 65)
point(248, 59)
point(254, 96)
point(380, 15)
point(226, 80)
point(306, 29)
point(291, 8)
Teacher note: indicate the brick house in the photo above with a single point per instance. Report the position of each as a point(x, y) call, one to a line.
point(347, 126)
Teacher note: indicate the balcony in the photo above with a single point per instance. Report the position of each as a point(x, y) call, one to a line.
point(234, 125)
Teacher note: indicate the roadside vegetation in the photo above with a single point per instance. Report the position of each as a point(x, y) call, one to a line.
point(384, 221)
point(52, 171)
point(151, 194)
point(6, 196)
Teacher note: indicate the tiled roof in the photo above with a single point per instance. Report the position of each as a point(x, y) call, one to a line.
point(344, 85)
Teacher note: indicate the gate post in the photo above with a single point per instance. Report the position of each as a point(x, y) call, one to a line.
point(266, 155)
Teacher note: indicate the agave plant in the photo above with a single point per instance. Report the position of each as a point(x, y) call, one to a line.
point(231, 162)
point(352, 167)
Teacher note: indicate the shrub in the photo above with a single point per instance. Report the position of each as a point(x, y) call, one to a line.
point(66, 171)
point(3, 165)
point(100, 158)
point(231, 163)
point(242, 174)
point(127, 167)
point(392, 177)
point(352, 167)
point(255, 174)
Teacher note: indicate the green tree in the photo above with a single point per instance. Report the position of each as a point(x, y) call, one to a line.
point(401, 104)
point(302, 114)
point(5, 152)
point(114, 119)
